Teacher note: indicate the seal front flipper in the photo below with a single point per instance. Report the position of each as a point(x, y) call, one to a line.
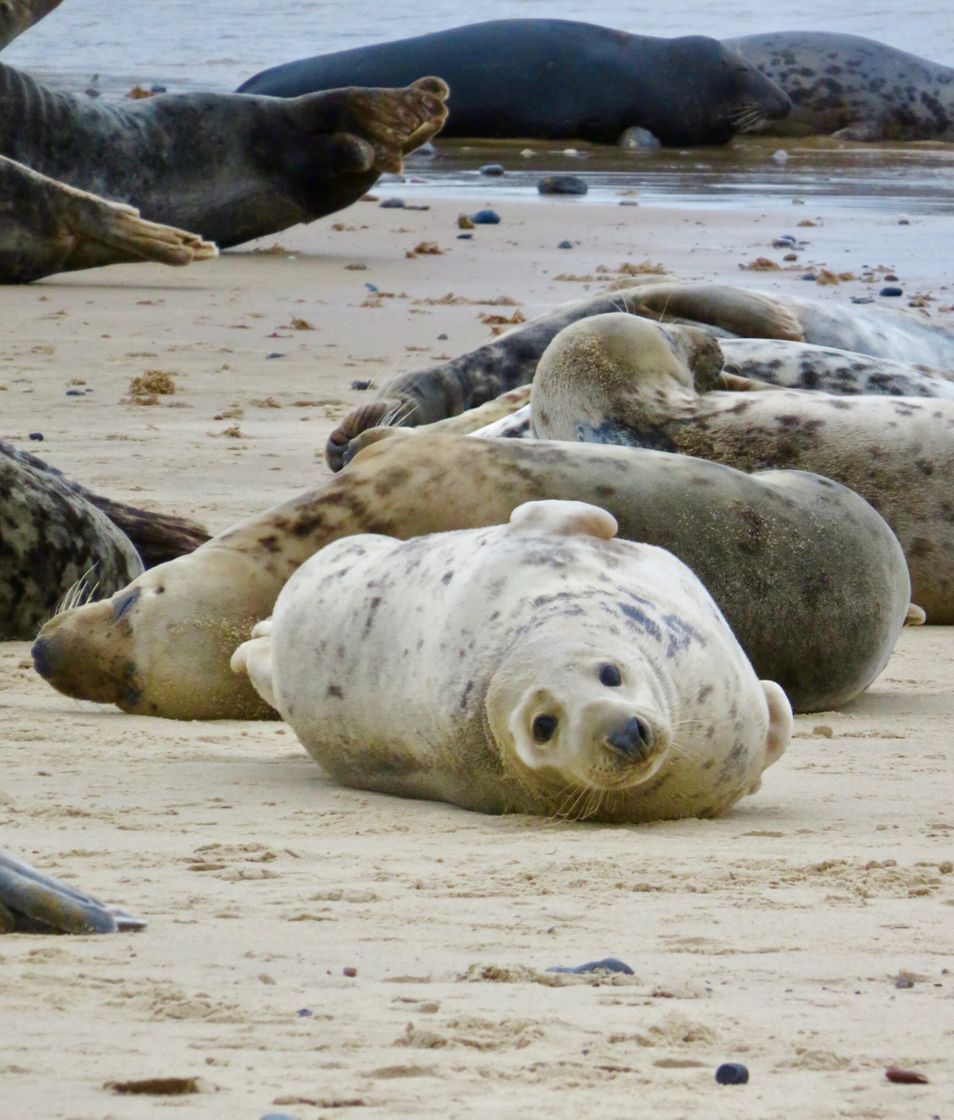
point(563, 518)
point(254, 658)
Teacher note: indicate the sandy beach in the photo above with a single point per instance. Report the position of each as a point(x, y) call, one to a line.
point(319, 952)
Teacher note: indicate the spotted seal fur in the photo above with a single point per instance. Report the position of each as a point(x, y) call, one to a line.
point(565, 673)
point(619, 378)
point(777, 552)
point(855, 88)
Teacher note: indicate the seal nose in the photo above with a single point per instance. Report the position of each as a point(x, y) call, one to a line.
point(42, 652)
point(633, 740)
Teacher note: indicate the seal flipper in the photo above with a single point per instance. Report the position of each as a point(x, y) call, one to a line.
point(254, 657)
point(564, 519)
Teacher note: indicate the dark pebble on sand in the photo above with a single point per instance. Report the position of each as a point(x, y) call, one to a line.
point(465, 237)
point(608, 964)
point(76, 392)
point(905, 1076)
point(492, 169)
point(562, 184)
point(304, 1012)
point(158, 89)
point(890, 276)
point(786, 241)
point(565, 245)
point(442, 338)
point(891, 292)
point(732, 1073)
point(360, 384)
point(809, 276)
point(485, 218)
point(862, 299)
point(275, 354)
point(392, 204)
point(36, 436)
point(350, 970)
point(370, 287)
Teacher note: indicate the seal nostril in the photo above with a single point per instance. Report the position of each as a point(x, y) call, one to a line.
point(633, 740)
point(42, 657)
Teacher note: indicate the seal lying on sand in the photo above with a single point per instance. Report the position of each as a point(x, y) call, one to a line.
point(564, 672)
point(557, 80)
point(473, 379)
point(623, 380)
point(809, 577)
point(229, 166)
point(47, 227)
point(54, 539)
point(858, 89)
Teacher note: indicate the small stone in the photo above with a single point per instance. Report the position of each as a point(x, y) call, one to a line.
point(904, 221)
point(781, 156)
point(628, 202)
point(36, 436)
point(485, 218)
point(277, 1116)
point(786, 241)
point(370, 287)
point(275, 354)
point(790, 257)
point(638, 139)
point(890, 276)
point(902, 980)
point(442, 338)
point(862, 299)
point(809, 276)
point(608, 964)
point(465, 237)
point(76, 392)
point(360, 384)
point(304, 1013)
point(889, 291)
point(350, 970)
point(905, 1076)
point(732, 1073)
point(158, 89)
point(823, 731)
point(562, 184)
point(565, 245)
point(392, 204)
point(492, 169)
point(528, 153)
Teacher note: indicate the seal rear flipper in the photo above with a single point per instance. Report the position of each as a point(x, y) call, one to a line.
point(781, 722)
point(564, 519)
point(254, 658)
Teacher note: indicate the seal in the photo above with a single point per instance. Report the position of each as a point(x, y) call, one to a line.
point(17, 15)
point(855, 88)
point(48, 227)
point(230, 166)
point(473, 379)
point(567, 673)
point(58, 540)
point(778, 552)
point(557, 79)
point(622, 379)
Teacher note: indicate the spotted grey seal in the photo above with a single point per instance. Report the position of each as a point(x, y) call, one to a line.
point(623, 379)
point(856, 88)
point(557, 80)
point(776, 551)
point(56, 536)
point(535, 667)
point(426, 396)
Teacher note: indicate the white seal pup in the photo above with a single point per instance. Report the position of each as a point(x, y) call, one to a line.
point(620, 379)
point(536, 667)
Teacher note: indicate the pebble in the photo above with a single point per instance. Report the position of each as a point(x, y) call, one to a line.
point(158, 89)
point(465, 237)
point(862, 299)
point(492, 169)
point(781, 156)
point(628, 202)
point(368, 287)
point(608, 964)
point(485, 218)
point(350, 970)
point(528, 153)
point(392, 204)
point(809, 276)
point(275, 354)
point(442, 338)
point(562, 184)
point(565, 245)
point(890, 276)
point(902, 981)
point(360, 384)
point(76, 392)
point(36, 436)
point(905, 1076)
point(463, 222)
point(786, 241)
point(891, 292)
point(277, 1116)
point(304, 1012)
point(732, 1073)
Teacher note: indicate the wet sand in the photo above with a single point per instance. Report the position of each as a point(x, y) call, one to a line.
point(774, 937)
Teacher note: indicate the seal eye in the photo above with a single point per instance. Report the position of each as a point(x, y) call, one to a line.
point(544, 728)
point(610, 676)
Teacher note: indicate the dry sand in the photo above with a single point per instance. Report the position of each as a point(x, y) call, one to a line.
point(773, 937)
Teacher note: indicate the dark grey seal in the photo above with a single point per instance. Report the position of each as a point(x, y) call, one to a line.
point(557, 79)
point(855, 88)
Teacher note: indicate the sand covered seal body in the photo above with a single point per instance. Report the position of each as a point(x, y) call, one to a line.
point(777, 552)
point(856, 88)
point(470, 380)
point(229, 166)
point(558, 80)
point(537, 667)
point(616, 377)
